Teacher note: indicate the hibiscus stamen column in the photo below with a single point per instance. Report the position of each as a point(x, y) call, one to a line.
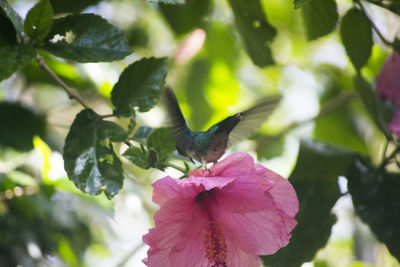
point(215, 245)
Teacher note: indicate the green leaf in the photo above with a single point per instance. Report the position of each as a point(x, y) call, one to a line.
point(137, 156)
point(14, 18)
point(89, 158)
point(376, 198)
point(111, 130)
point(86, 38)
point(140, 85)
point(162, 142)
point(320, 17)
point(142, 134)
point(71, 6)
point(315, 181)
point(39, 21)
point(375, 108)
point(255, 30)
point(160, 147)
point(18, 126)
point(7, 32)
point(132, 122)
point(184, 18)
point(13, 57)
point(356, 33)
point(152, 159)
point(299, 3)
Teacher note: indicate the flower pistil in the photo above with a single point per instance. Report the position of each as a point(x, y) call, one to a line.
point(215, 245)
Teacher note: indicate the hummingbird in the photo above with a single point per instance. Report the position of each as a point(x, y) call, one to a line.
point(210, 145)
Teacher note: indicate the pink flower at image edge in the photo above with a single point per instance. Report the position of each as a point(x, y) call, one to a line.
point(388, 80)
point(394, 125)
point(225, 216)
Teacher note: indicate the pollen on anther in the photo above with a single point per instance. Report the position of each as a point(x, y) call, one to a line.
point(215, 246)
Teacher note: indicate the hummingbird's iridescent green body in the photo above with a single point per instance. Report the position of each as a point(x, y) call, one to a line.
point(210, 145)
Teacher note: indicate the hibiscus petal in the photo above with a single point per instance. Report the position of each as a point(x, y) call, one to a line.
point(251, 219)
point(178, 237)
point(237, 163)
point(284, 195)
point(164, 189)
point(209, 183)
point(240, 258)
point(259, 233)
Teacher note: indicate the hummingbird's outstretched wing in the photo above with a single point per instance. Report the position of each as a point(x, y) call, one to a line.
point(177, 124)
point(253, 118)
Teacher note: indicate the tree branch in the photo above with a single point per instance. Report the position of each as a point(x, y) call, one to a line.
point(69, 91)
point(359, 3)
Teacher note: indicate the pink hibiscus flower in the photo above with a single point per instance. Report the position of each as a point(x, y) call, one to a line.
point(388, 81)
point(224, 216)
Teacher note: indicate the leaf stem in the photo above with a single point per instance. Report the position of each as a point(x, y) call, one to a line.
point(179, 168)
point(107, 115)
point(389, 7)
point(360, 4)
point(71, 94)
point(390, 157)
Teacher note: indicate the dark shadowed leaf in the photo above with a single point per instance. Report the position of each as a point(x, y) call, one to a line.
point(315, 181)
point(137, 35)
point(86, 38)
point(356, 33)
point(140, 85)
point(18, 126)
point(376, 198)
point(89, 158)
point(7, 31)
point(71, 6)
point(255, 30)
point(378, 112)
point(300, 3)
point(39, 20)
point(320, 17)
point(14, 57)
point(186, 17)
point(137, 156)
point(142, 134)
point(15, 19)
